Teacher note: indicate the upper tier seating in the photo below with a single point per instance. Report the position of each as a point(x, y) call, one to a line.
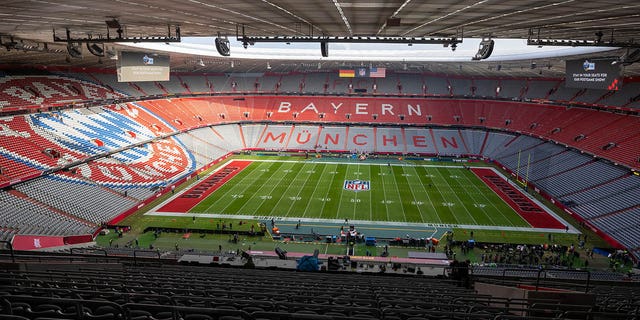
point(29, 91)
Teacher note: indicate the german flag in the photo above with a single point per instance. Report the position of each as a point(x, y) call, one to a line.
point(347, 73)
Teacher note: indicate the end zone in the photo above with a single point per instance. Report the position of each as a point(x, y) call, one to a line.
point(533, 213)
point(191, 197)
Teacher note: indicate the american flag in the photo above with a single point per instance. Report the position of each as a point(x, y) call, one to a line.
point(377, 72)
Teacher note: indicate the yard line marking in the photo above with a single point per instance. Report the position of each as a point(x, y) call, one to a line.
point(440, 192)
point(346, 171)
point(492, 203)
point(435, 211)
point(306, 209)
point(326, 196)
point(395, 183)
point(311, 196)
point(258, 197)
point(456, 195)
point(466, 185)
point(240, 185)
point(415, 200)
point(289, 186)
point(369, 178)
point(384, 194)
point(355, 196)
point(310, 172)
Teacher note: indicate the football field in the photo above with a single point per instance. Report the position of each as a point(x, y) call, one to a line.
point(360, 191)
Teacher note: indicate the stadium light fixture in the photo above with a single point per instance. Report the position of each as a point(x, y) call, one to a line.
point(175, 37)
point(12, 44)
point(251, 40)
point(536, 39)
point(325, 40)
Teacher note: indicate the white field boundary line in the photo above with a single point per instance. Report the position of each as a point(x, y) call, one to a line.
point(356, 222)
point(573, 230)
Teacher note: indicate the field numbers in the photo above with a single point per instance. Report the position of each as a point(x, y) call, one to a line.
point(396, 194)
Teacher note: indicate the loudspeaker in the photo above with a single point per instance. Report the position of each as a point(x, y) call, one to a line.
point(96, 49)
point(485, 50)
point(74, 49)
point(324, 48)
point(222, 45)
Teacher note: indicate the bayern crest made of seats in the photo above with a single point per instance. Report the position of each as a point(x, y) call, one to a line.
point(357, 185)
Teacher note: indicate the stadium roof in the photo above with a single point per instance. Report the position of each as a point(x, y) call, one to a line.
point(33, 21)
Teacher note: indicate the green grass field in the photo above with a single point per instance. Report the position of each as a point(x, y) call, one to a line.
point(407, 193)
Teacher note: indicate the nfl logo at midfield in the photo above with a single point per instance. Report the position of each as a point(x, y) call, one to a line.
point(357, 185)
